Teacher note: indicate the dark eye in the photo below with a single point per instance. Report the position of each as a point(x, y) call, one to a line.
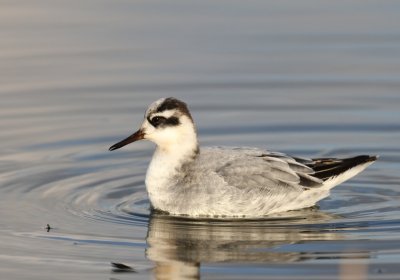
point(157, 120)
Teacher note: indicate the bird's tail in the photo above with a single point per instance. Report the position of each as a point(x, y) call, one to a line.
point(334, 171)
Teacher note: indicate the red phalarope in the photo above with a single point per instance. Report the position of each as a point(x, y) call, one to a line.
point(183, 179)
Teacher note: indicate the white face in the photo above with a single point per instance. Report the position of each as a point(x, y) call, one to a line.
point(166, 128)
point(167, 123)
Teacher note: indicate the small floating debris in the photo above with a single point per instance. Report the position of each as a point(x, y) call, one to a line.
point(48, 228)
point(379, 270)
point(120, 267)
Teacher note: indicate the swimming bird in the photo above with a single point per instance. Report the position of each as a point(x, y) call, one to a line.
point(184, 179)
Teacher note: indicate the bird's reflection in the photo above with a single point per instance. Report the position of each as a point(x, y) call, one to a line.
point(178, 246)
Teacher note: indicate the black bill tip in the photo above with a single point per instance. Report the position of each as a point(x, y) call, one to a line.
point(138, 135)
point(112, 148)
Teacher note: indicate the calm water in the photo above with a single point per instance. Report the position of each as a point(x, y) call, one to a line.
point(309, 78)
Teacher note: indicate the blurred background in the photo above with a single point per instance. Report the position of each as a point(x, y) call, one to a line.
point(310, 78)
point(68, 67)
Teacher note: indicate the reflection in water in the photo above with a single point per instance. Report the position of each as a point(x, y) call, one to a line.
point(178, 246)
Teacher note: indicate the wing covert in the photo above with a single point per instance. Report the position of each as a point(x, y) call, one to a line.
point(268, 172)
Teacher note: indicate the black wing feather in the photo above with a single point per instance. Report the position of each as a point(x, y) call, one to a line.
point(326, 168)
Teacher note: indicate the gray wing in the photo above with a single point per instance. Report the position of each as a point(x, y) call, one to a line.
point(269, 172)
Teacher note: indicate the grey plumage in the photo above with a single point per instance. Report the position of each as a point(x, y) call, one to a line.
point(183, 179)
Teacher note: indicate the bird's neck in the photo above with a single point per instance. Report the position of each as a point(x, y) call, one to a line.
point(166, 168)
point(177, 153)
point(169, 158)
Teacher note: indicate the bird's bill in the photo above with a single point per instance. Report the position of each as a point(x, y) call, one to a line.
point(138, 135)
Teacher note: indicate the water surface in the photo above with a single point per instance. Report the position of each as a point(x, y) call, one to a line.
point(308, 78)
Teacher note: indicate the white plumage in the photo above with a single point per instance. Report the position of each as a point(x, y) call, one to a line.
point(229, 182)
